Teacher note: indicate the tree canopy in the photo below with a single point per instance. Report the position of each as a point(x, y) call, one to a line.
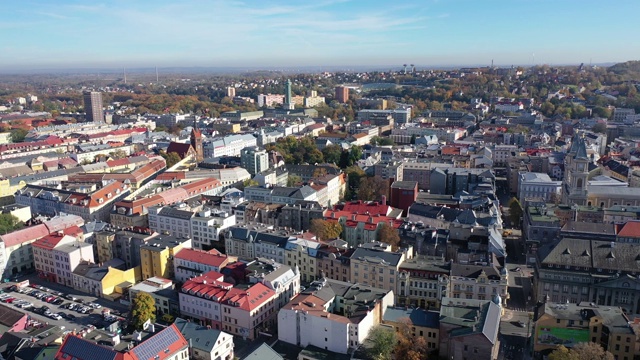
point(171, 158)
point(18, 135)
point(325, 229)
point(372, 188)
point(581, 351)
point(388, 235)
point(383, 342)
point(9, 223)
point(515, 211)
point(143, 309)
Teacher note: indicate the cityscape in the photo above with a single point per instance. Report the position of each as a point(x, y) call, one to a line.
point(338, 187)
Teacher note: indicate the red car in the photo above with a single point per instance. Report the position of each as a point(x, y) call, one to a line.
point(33, 286)
point(9, 300)
point(49, 299)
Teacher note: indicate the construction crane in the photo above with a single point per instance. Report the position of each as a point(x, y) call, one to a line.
point(405, 68)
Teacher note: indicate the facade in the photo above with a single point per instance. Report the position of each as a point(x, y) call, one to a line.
point(333, 315)
point(503, 153)
point(204, 343)
point(158, 254)
point(250, 242)
point(400, 116)
point(478, 282)
point(601, 272)
point(374, 264)
point(422, 282)
point(538, 186)
point(583, 322)
point(93, 106)
point(104, 280)
point(230, 145)
point(239, 312)
point(403, 195)
point(255, 160)
point(334, 261)
point(282, 279)
point(270, 100)
point(298, 216)
point(279, 194)
point(422, 323)
point(56, 257)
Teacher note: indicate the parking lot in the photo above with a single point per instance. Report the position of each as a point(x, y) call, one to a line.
point(72, 319)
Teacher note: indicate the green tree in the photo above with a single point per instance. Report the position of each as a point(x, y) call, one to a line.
point(293, 180)
point(143, 309)
point(381, 141)
point(413, 139)
point(325, 229)
point(383, 342)
point(171, 158)
point(388, 235)
point(9, 223)
point(332, 154)
point(515, 211)
point(249, 182)
point(118, 154)
point(354, 174)
point(581, 351)
point(599, 128)
point(18, 135)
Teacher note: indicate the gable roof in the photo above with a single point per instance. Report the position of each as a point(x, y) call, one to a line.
point(201, 337)
point(179, 148)
point(163, 344)
point(78, 348)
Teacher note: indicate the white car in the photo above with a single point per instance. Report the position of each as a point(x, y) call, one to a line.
point(55, 316)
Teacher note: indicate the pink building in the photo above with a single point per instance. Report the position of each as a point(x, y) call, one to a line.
point(56, 256)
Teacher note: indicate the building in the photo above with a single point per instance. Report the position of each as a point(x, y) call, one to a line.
point(403, 195)
point(196, 142)
point(601, 272)
point(93, 106)
point(165, 344)
point(205, 343)
point(569, 324)
point(231, 91)
point(270, 100)
point(283, 279)
point(538, 186)
point(189, 263)
point(422, 323)
point(163, 293)
point(422, 282)
point(230, 145)
point(238, 311)
point(57, 256)
point(298, 216)
point(333, 315)
point(288, 100)
point(479, 282)
point(12, 319)
point(280, 194)
point(104, 280)
point(374, 264)
point(361, 220)
point(255, 160)
point(158, 254)
point(399, 115)
point(250, 242)
point(342, 94)
point(469, 329)
point(301, 252)
point(334, 261)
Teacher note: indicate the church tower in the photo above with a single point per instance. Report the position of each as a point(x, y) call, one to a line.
point(196, 142)
point(576, 171)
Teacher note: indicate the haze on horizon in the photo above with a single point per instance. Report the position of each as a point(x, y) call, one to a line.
point(62, 34)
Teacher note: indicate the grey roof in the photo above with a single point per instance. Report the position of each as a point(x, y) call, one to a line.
point(175, 213)
point(263, 352)
point(417, 316)
point(471, 320)
point(259, 235)
point(161, 242)
point(473, 271)
point(201, 337)
point(595, 255)
point(408, 185)
point(376, 256)
point(433, 212)
point(612, 317)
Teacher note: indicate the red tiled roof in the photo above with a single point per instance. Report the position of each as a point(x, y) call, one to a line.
point(48, 242)
point(249, 299)
point(630, 230)
point(171, 175)
point(24, 235)
point(203, 257)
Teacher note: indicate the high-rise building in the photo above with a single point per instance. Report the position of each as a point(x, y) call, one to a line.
point(254, 159)
point(231, 92)
point(342, 94)
point(93, 106)
point(288, 100)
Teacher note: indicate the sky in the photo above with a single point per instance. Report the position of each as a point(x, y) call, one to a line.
point(50, 34)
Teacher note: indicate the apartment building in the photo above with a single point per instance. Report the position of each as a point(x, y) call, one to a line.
point(374, 264)
point(104, 280)
point(334, 261)
point(280, 194)
point(298, 216)
point(249, 242)
point(283, 279)
point(361, 220)
point(240, 312)
point(538, 186)
point(190, 263)
point(57, 256)
point(479, 282)
point(333, 315)
point(254, 159)
point(503, 153)
point(422, 323)
point(157, 255)
point(230, 145)
point(301, 251)
point(423, 281)
point(205, 343)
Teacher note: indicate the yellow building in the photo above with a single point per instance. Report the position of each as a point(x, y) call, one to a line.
point(301, 252)
point(569, 324)
point(104, 243)
point(157, 255)
point(104, 280)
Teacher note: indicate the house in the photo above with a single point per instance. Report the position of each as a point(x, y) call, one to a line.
point(205, 343)
point(189, 263)
point(104, 280)
point(11, 319)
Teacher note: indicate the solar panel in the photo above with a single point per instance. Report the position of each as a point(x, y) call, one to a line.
point(156, 344)
point(86, 350)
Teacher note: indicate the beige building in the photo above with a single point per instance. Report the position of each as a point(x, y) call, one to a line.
point(374, 264)
point(478, 282)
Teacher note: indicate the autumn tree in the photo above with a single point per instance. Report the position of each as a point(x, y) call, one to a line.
point(383, 342)
point(325, 229)
point(581, 351)
point(143, 309)
point(599, 128)
point(118, 154)
point(354, 175)
point(372, 188)
point(388, 235)
point(332, 154)
point(409, 347)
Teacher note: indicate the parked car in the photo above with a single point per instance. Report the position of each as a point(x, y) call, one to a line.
point(9, 300)
point(55, 316)
point(57, 301)
point(70, 297)
point(71, 316)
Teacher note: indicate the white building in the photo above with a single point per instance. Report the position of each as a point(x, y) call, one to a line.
point(502, 154)
point(57, 256)
point(206, 344)
point(313, 317)
point(190, 263)
point(280, 278)
point(254, 159)
point(538, 185)
point(230, 145)
point(270, 100)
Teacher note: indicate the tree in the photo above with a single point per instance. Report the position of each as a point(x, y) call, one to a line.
point(381, 141)
point(143, 309)
point(383, 342)
point(118, 154)
point(249, 182)
point(515, 211)
point(18, 135)
point(372, 188)
point(332, 154)
point(413, 139)
point(388, 235)
point(409, 347)
point(171, 158)
point(293, 180)
point(9, 223)
point(599, 128)
point(581, 351)
point(325, 229)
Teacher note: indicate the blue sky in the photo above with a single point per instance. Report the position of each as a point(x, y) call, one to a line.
point(134, 33)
